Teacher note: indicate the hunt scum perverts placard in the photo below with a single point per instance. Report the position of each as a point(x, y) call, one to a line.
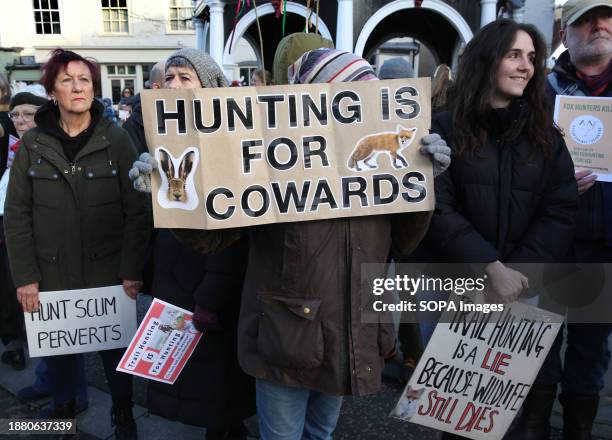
point(245, 156)
point(80, 321)
point(477, 370)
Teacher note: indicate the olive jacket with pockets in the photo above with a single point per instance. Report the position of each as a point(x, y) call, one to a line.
point(75, 225)
point(301, 315)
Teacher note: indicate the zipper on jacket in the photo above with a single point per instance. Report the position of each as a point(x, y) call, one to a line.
point(73, 168)
point(351, 355)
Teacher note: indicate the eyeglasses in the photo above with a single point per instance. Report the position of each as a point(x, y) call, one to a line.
point(26, 116)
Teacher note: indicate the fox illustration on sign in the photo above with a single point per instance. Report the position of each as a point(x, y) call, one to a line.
point(389, 142)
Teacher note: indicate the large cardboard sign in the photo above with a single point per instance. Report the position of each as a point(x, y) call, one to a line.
point(587, 124)
point(80, 321)
point(246, 156)
point(477, 370)
point(162, 345)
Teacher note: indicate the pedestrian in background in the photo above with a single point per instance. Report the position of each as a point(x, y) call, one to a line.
point(135, 124)
point(261, 77)
point(440, 85)
point(22, 108)
point(126, 96)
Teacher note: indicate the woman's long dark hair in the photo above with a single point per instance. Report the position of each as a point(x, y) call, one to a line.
point(475, 83)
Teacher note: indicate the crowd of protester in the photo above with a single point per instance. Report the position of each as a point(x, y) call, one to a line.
point(282, 340)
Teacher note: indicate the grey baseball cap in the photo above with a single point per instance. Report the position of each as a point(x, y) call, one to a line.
point(574, 9)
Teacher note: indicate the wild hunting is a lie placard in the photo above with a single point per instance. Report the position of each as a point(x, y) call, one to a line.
point(246, 156)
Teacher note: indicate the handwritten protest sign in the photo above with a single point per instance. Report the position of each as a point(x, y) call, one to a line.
point(162, 345)
point(587, 124)
point(477, 370)
point(80, 321)
point(246, 156)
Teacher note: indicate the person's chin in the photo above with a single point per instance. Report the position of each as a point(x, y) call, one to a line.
point(80, 107)
point(518, 90)
point(601, 46)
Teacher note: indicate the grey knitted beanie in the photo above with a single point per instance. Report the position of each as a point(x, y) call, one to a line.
point(208, 71)
point(395, 68)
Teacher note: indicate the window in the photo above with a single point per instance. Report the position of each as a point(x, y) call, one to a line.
point(121, 76)
point(181, 13)
point(115, 16)
point(121, 69)
point(47, 17)
point(246, 73)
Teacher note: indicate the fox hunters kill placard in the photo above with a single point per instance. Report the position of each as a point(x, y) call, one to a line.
point(80, 321)
point(244, 156)
point(587, 125)
point(477, 370)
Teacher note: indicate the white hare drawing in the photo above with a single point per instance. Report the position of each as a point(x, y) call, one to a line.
point(177, 174)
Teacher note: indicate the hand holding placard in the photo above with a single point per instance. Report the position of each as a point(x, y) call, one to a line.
point(585, 180)
point(505, 284)
point(28, 297)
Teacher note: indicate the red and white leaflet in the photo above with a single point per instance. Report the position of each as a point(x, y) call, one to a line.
point(162, 345)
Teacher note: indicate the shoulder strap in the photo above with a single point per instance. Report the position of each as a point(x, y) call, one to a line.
point(572, 88)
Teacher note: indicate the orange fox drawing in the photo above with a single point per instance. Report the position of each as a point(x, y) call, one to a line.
point(388, 142)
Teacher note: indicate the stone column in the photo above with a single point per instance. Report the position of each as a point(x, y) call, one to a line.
point(344, 27)
point(217, 32)
point(198, 24)
point(488, 11)
point(518, 15)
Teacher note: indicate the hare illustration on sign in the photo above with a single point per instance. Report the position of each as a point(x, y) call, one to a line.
point(389, 142)
point(177, 174)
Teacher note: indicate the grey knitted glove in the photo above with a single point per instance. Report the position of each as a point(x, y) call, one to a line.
point(140, 173)
point(440, 153)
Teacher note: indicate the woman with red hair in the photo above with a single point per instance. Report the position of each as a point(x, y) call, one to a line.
point(72, 219)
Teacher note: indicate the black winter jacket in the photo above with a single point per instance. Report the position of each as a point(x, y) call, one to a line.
point(212, 390)
point(507, 202)
point(8, 128)
point(74, 224)
point(135, 126)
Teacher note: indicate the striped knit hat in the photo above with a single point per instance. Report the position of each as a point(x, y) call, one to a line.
point(330, 65)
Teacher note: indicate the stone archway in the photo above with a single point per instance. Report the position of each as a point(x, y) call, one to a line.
point(450, 14)
point(250, 17)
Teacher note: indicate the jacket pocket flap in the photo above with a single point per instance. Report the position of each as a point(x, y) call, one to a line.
point(306, 308)
point(40, 171)
point(104, 250)
point(47, 255)
point(101, 170)
point(288, 334)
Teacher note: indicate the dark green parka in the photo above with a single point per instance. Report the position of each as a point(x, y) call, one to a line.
point(79, 224)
